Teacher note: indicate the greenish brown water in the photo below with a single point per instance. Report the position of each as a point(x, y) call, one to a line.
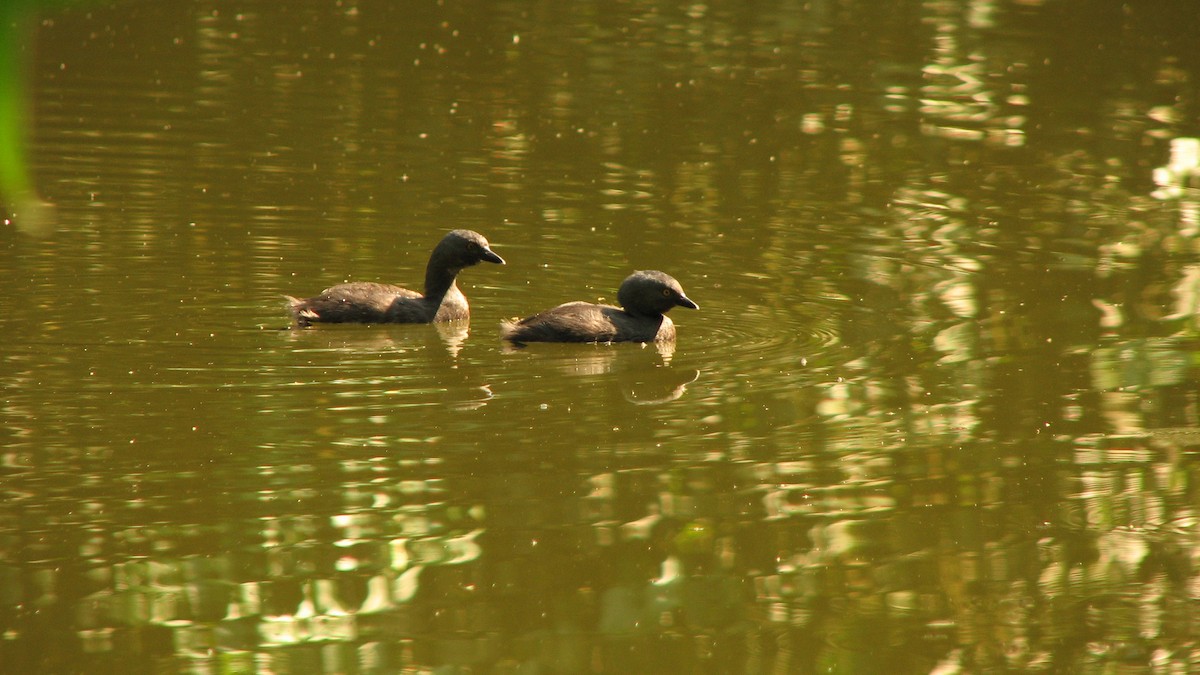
point(938, 409)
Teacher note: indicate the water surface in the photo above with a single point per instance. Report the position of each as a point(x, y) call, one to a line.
point(938, 409)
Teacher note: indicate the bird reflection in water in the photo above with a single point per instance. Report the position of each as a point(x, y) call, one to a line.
point(642, 372)
point(401, 337)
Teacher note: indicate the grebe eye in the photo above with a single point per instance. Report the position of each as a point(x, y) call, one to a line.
point(666, 292)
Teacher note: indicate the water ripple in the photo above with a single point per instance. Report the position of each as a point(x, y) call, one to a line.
point(764, 338)
point(786, 342)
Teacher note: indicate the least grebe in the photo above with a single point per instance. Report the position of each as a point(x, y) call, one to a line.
point(644, 296)
point(367, 302)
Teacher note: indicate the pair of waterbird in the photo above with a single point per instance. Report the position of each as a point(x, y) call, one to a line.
point(644, 296)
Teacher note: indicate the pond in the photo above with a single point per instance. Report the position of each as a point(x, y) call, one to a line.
point(937, 410)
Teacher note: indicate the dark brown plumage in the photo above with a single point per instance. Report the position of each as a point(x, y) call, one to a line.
point(644, 296)
point(368, 302)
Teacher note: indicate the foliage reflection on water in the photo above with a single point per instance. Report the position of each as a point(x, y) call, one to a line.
point(938, 410)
